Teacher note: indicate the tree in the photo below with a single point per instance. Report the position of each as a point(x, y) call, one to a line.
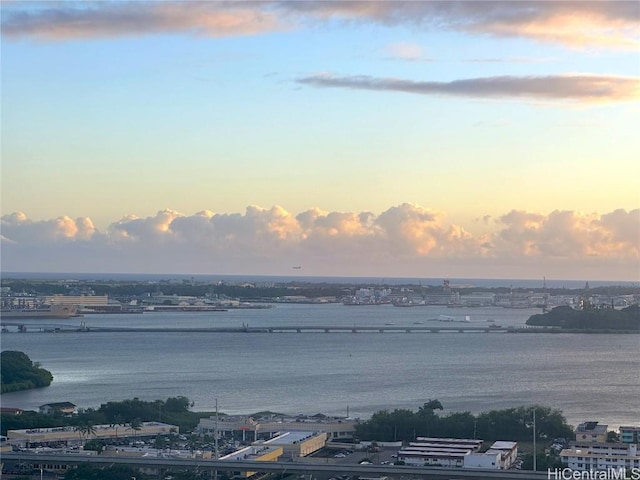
point(18, 372)
point(135, 425)
point(116, 472)
point(117, 422)
point(85, 429)
point(95, 445)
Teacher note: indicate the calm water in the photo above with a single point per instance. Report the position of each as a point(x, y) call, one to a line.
point(586, 376)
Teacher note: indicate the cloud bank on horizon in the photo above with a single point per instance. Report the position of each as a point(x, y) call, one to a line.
point(216, 102)
point(404, 240)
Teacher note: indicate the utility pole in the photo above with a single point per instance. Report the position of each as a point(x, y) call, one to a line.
point(534, 441)
point(215, 441)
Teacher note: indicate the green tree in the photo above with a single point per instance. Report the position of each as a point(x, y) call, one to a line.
point(18, 372)
point(116, 472)
point(96, 445)
point(85, 429)
point(135, 425)
point(117, 422)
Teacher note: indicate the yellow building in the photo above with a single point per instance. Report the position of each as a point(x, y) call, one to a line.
point(296, 444)
point(79, 300)
point(256, 453)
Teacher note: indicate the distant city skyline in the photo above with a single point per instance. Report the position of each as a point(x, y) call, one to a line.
point(419, 139)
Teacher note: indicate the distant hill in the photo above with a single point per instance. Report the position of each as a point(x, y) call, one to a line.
point(20, 373)
point(589, 318)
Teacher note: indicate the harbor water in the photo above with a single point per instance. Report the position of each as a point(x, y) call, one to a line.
point(587, 376)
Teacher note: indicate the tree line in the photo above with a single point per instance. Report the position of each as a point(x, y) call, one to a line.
point(174, 411)
point(514, 424)
point(591, 318)
point(18, 372)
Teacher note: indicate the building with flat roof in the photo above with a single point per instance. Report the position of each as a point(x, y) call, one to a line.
point(296, 444)
point(508, 453)
point(591, 431)
point(257, 453)
point(250, 428)
point(630, 434)
point(601, 457)
point(458, 453)
point(79, 300)
point(71, 436)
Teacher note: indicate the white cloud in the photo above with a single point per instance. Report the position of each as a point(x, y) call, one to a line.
point(406, 51)
point(403, 240)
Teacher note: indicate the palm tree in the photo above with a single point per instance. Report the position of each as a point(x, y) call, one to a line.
point(135, 425)
point(85, 429)
point(117, 422)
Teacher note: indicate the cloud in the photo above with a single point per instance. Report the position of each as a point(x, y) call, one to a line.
point(18, 228)
point(403, 240)
point(579, 87)
point(406, 51)
point(569, 234)
point(78, 20)
point(611, 24)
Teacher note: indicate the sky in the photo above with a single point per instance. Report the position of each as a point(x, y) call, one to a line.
point(473, 139)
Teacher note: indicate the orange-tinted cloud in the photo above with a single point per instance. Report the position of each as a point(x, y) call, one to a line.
point(611, 24)
point(576, 88)
point(76, 20)
point(404, 238)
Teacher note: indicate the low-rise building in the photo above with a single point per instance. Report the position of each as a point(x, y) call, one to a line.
point(336, 428)
point(601, 457)
point(65, 408)
point(591, 432)
point(458, 453)
point(72, 436)
point(257, 453)
point(630, 434)
point(508, 453)
point(296, 444)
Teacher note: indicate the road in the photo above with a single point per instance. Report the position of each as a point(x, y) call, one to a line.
point(289, 467)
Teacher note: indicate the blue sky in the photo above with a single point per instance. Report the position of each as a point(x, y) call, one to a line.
point(493, 133)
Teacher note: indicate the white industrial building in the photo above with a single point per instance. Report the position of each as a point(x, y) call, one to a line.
point(250, 428)
point(458, 453)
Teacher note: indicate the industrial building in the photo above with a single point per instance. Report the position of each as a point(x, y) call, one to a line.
point(251, 429)
point(296, 444)
point(458, 453)
point(258, 453)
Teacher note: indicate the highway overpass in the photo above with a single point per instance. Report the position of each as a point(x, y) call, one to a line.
point(270, 467)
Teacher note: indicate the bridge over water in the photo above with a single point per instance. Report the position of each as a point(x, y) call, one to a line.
point(63, 328)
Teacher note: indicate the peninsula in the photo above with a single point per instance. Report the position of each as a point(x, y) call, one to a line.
point(589, 318)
